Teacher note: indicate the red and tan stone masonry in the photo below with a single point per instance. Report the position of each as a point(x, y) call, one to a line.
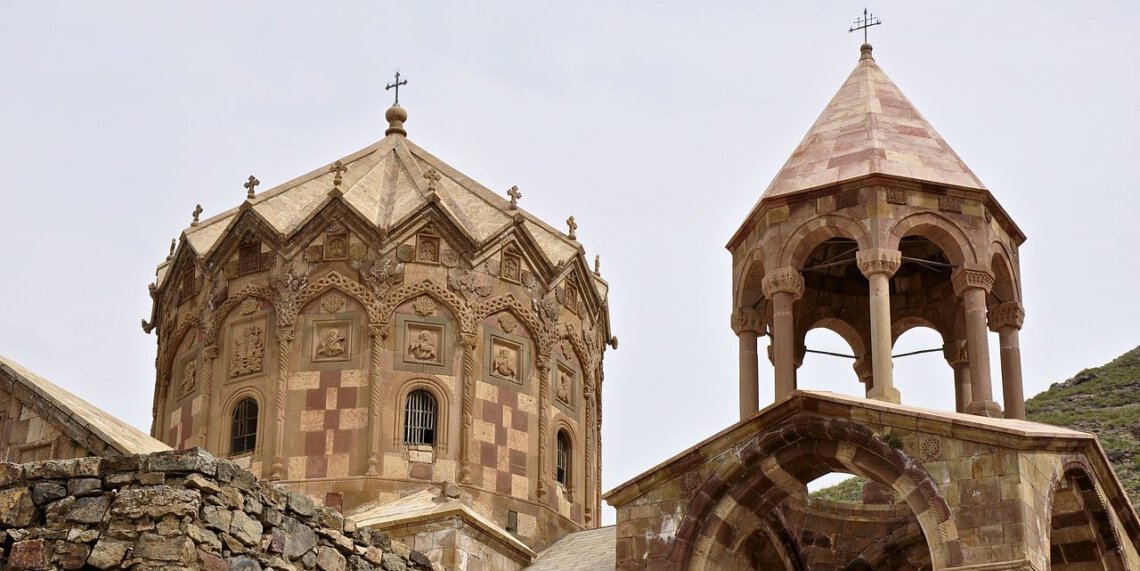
point(974, 493)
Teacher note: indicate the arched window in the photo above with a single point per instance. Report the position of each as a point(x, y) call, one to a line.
point(420, 414)
point(562, 459)
point(243, 431)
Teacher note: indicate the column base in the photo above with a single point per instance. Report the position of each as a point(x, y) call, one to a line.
point(885, 394)
point(984, 408)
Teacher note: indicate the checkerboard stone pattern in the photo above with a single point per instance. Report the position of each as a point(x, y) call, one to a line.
point(182, 421)
point(503, 423)
point(330, 411)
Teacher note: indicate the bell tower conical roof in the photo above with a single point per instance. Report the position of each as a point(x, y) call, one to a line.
point(869, 128)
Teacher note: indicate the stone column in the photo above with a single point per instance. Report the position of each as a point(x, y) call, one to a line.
point(958, 356)
point(972, 285)
point(544, 367)
point(467, 342)
point(1006, 319)
point(284, 343)
point(878, 265)
point(209, 429)
point(748, 325)
point(783, 287)
point(378, 333)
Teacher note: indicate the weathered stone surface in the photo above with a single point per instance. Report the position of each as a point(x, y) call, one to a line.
point(30, 554)
point(84, 486)
point(243, 563)
point(193, 460)
point(203, 537)
point(10, 474)
point(217, 518)
point(299, 538)
point(108, 553)
point(69, 555)
point(156, 502)
point(329, 518)
point(152, 547)
point(329, 559)
point(392, 562)
point(16, 507)
point(211, 562)
point(299, 504)
point(47, 491)
point(245, 529)
point(199, 482)
point(88, 509)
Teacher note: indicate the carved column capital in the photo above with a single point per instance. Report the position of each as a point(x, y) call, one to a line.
point(864, 369)
point(285, 334)
point(878, 261)
point(381, 330)
point(1008, 314)
point(747, 319)
point(468, 340)
point(956, 353)
point(967, 278)
point(210, 352)
point(786, 279)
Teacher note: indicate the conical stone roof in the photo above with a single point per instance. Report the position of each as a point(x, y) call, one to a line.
point(870, 128)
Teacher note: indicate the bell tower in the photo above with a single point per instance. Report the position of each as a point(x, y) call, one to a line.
point(872, 227)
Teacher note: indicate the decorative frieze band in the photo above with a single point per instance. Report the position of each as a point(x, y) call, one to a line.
point(786, 279)
point(878, 261)
point(747, 319)
point(1006, 314)
point(965, 278)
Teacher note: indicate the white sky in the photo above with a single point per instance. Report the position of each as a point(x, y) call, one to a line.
point(656, 124)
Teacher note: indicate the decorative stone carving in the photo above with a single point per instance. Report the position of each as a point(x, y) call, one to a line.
point(380, 274)
point(287, 279)
point(567, 348)
point(249, 258)
point(423, 347)
point(332, 302)
point(427, 248)
point(503, 365)
point(507, 322)
point(965, 278)
point(565, 382)
point(248, 351)
point(470, 283)
point(896, 195)
point(956, 353)
point(424, 305)
point(1008, 314)
point(189, 376)
point(878, 261)
point(929, 448)
point(950, 203)
point(406, 253)
point(331, 344)
point(336, 246)
point(249, 305)
point(511, 269)
point(786, 279)
point(528, 280)
point(449, 258)
point(747, 319)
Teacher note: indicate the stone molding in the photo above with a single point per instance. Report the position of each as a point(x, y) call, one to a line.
point(1008, 314)
point(878, 261)
point(783, 280)
point(956, 353)
point(966, 278)
point(747, 319)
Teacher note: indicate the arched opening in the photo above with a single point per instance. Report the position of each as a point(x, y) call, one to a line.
point(243, 426)
point(1081, 533)
point(770, 475)
point(921, 373)
point(562, 459)
point(421, 412)
point(828, 363)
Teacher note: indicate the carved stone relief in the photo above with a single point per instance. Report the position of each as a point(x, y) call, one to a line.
point(896, 195)
point(330, 343)
point(929, 448)
point(471, 284)
point(423, 346)
point(248, 351)
point(249, 305)
point(950, 203)
point(507, 322)
point(336, 246)
point(406, 253)
point(505, 363)
point(249, 258)
point(332, 302)
point(189, 378)
point(425, 305)
point(380, 274)
point(449, 258)
point(427, 248)
point(565, 384)
point(511, 268)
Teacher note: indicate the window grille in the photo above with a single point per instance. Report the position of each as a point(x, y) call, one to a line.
point(562, 459)
point(243, 435)
point(420, 418)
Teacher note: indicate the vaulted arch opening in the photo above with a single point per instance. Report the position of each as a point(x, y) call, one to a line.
point(1081, 532)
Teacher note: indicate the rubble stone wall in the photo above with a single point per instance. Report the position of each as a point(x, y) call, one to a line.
point(175, 510)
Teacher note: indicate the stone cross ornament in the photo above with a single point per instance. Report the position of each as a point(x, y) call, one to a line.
point(197, 212)
point(515, 195)
point(573, 226)
point(338, 169)
point(250, 185)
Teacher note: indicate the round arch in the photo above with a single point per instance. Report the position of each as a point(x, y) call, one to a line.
point(747, 290)
point(768, 468)
point(443, 412)
point(1005, 286)
point(940, 230)
point(812, 233)
point(225, 438)
point(1075, 490)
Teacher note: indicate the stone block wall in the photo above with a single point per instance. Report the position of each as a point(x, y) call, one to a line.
point(28, 434)
point(175, 510)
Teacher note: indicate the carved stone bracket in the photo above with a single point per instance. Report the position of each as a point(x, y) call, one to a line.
point(956, 353)
point(965, 278)
point(786, 279)
point(747, 319)
point(878, 261)
point(1008, 314)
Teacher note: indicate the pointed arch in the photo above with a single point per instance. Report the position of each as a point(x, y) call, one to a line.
point(507, 302)
point(746, 285)
point(348, 286)
point(1005, 279)
point(398, 296)
point(223, 311)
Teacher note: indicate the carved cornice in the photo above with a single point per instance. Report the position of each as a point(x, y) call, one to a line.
point(878, 261)
point(956, 353)
point(747, 319)
point(1008, 314)
point(965, 278)
point(783, 280)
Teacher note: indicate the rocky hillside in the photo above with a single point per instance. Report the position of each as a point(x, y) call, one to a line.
point(1103, 400)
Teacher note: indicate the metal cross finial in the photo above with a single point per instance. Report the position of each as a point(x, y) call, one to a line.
point(338, 168)
point(515, 195)
point(396, 86)
point(197, 213)
point(865, 22)
point(250, 185)
point(432, 177)
point(573, 226)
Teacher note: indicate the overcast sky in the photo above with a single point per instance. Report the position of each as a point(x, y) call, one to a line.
point(656, 124)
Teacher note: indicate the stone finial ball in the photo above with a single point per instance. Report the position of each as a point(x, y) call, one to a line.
point(396, 113)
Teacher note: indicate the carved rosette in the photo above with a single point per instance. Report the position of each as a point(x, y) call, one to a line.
point(747, 319)
point(878, 261)
point(966, 278)
point(1008, 314)
point(783, 280)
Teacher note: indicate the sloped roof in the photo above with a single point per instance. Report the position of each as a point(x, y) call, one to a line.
point(385, 185)
point(870, 127)
point(75, 417)
point(590, 550)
